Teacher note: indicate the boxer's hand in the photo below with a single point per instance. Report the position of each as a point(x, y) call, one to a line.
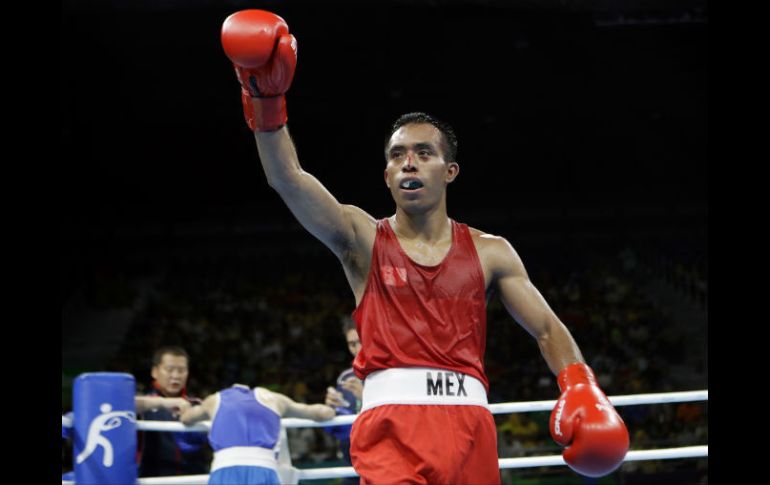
point(265, 57)
point(334, 398)
point(584, 421)
point(325, 412)
point(177, 405)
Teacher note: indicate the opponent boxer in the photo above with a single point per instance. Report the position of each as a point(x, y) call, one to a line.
point(245, 428)
point(420, 281)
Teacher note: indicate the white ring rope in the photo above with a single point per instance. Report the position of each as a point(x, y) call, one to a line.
point(501, 408)
point(527, 462)
point(530, 462)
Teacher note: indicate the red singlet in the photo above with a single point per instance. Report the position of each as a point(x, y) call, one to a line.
point(423, 316)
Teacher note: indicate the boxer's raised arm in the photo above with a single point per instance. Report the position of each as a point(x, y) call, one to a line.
point(265, 57)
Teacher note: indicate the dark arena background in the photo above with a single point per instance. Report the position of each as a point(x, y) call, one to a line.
point(583, 140)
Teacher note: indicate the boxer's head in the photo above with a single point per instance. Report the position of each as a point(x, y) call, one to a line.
point(421, 161)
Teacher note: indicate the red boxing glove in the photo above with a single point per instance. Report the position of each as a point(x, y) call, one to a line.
point(587, 424)
point(265, 57)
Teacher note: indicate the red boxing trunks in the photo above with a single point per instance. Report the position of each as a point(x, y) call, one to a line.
point(424, 426)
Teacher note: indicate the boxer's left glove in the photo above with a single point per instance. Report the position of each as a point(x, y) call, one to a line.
point(265, 57)
point(584, 421)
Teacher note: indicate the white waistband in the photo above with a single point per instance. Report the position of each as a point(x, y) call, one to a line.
point(422, 385)
point(244, 456)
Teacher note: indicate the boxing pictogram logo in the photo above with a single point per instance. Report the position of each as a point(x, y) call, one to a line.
point(106, 421)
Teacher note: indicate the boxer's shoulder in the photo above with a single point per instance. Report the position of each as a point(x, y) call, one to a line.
point(495, 252)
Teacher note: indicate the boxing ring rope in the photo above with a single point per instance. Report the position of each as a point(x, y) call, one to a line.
point(529, 462)
point(500, 408)
point(531, 406)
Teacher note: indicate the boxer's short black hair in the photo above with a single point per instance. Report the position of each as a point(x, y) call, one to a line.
point(448, 138)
